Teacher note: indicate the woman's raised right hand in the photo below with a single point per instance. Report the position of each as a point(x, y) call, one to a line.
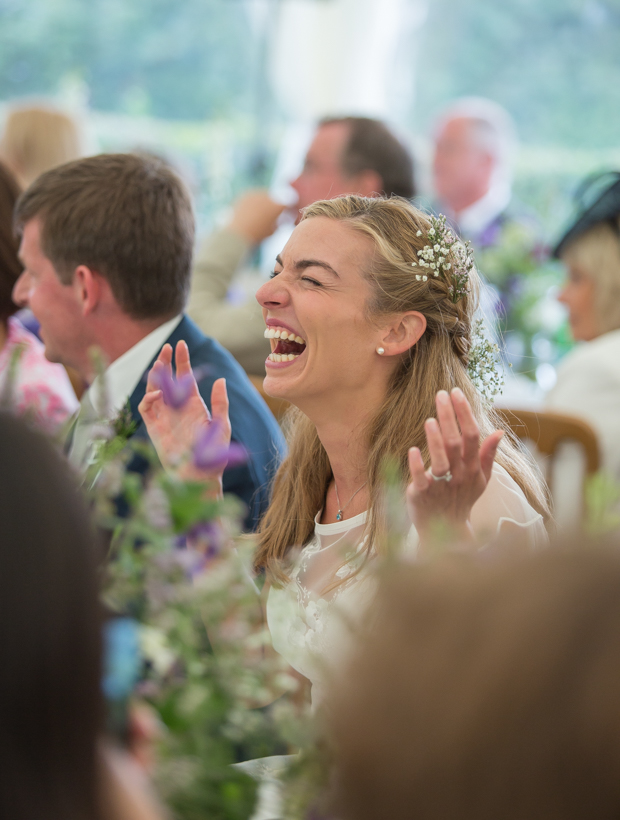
point(174, 430)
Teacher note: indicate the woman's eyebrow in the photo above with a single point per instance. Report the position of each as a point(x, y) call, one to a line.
point(302, 264)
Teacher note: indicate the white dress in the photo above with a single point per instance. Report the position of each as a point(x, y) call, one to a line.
point(313, 617)
point(588, 386)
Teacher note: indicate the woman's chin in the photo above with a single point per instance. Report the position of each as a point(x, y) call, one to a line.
point(281, 379)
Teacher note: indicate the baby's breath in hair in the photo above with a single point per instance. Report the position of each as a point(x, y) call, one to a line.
point(485, 368)
point(445, 255)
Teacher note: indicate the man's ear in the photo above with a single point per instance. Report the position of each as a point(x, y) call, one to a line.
point(368, 183)
point(87, 286)
point(403, 333)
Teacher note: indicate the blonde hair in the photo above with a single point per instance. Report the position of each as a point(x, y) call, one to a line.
point(597, 253)
point(438, 361)
point(37, 139)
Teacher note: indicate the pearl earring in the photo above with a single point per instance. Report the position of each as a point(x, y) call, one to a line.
point(380, 351)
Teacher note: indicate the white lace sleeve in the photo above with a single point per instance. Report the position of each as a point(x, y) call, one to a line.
point(503, 506)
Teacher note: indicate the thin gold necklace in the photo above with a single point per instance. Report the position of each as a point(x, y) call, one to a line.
point(341, 510)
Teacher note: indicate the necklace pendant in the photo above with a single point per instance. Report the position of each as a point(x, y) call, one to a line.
point(339, 515)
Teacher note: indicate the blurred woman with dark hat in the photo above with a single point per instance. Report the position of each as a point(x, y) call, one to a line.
point(588, 383)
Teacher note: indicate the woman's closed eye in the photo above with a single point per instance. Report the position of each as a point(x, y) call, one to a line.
point(312, 281)
point(309, 279)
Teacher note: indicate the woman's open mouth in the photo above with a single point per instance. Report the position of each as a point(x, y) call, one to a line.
point(286, 346)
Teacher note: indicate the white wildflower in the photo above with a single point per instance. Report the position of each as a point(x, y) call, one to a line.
point(155, 648)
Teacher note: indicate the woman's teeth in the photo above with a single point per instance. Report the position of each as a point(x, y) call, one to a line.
point(280, 333)
point(288, 345)
point(282, 357)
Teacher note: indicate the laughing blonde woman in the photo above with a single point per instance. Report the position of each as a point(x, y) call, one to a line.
point(369, 312)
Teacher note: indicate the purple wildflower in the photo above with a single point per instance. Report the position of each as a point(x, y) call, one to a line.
point(211, 455)
point(176, 391)
point(208, 538)
point(490, 235)
point(203, 542)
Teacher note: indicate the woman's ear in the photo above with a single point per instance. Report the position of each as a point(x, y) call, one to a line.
point(403, 333)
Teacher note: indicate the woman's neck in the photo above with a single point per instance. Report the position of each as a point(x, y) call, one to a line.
point(346, 444)
point(341, 418)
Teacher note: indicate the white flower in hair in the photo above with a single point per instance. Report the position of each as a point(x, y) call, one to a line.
point(485, 367)
point(447, 255)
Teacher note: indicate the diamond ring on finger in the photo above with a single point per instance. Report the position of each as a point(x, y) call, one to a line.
point(445, 477)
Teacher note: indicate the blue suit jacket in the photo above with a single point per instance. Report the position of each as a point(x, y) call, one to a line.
point(253, 424)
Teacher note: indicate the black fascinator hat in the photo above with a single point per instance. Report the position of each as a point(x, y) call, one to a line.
point(597, 200)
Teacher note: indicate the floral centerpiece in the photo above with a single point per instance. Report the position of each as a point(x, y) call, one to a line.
point(179, 569)
point(516, 263)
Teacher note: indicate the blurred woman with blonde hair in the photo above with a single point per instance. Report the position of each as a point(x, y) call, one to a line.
point(588, 383)
point(37, 138)
point(370, 316)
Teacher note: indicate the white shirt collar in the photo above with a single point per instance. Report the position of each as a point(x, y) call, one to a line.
point(122, 377)
point(474, 219)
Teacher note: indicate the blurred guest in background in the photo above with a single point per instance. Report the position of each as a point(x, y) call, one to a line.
point(486, 691)
point(588, 383)
point(37, 138)
point(475, 145)
point(28, 381)
point(475, 141)
point(348, 155)
point(53, 758)
point(107, 247)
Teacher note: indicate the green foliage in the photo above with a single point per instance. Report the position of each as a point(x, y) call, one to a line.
point(191, 60)
point(203, 641)
point(517, 265)
point(541, 60)
point(602, 505)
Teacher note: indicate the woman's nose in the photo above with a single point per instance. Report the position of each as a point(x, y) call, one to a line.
point(273, 293)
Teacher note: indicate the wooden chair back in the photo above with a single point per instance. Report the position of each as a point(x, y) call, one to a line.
point(548, 430)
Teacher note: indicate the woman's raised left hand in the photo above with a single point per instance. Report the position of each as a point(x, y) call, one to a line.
point(460, 468)
point(173, 430)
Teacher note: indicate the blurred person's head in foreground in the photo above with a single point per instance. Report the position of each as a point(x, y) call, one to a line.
point(37, 138)
point(106, 244)
point(486, 691)
point(475, 140)
point(354, 155)
point(50, 635)
point(10, 266)
point(53, 762)
point(590, 250)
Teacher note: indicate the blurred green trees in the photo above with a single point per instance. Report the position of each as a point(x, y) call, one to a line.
point(554, 64)
point(181, 60)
